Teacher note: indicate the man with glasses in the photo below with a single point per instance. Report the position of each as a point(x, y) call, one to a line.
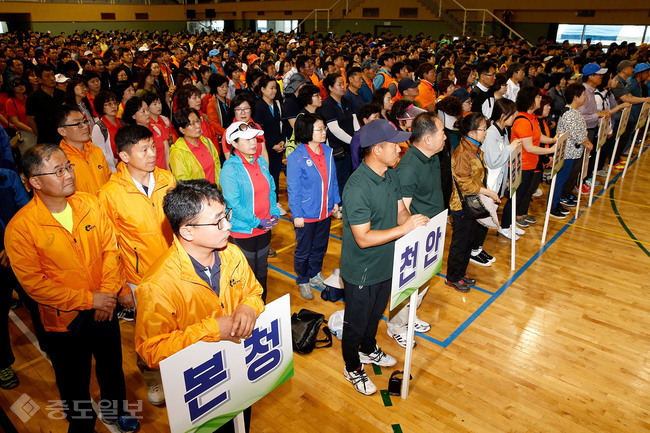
point(92, 168)
point(64, 253)
point(482, 94)
point(201, 288)
point(133, 199)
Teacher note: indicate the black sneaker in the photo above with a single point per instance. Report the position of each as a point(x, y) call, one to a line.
point(569, 202)
point(556, 213)
point(480, 260)
point(487, 256)
point(468, 281)
point(530, 220)
point(127, 314)
point(272, 253)
point(8, 378)
point(458, 285)
point(562, 209)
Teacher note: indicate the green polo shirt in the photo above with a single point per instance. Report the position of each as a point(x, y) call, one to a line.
point(368, 197)
point(419, 178)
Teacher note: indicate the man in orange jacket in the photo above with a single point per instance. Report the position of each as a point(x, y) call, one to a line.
point(201, 288)
point(133, 199)
point(63, 251)
point(91, 168)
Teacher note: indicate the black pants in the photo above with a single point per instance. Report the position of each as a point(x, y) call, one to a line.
point(275, 166)
point(311, 246)
point(574, 176)
point(229, 427)
point(592, 134)
point(256, 250)
point(364, 306)
point(71, 354)
point(467, 235)
point(526, 181)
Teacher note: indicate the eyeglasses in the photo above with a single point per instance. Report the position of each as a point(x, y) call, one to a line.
point(323, 129)
point(110, 104)
point(219, 222)
point(79, 124)
point(242, 110)
point(59, 173)
point(196, 122)
point(482, 129)
point(489, 75)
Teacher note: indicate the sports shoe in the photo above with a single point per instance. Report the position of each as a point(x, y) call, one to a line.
point(458, 285)
point(569, 201)
point(399, 338)
point(538, 193)
point(125, 423)
point(562, 209)
point(360, 380)
point(487, 256)
point(421, 325)
point(127, 314)
point(507, 233)
point(15, 303)
point(619, 165)
point(468, 281)
point(8, 378)
point(521, 222)
point(318, 281)
point(556, 213)
point(305, 291)
point(272, 253)
point(480, 260)
point(338, 214)
point(378, 357)
point(590, 184)
point(156, 394)
point(282, 211)
point(602, 172)
point(530, 220)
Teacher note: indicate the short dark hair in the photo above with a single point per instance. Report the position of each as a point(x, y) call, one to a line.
point(119, 89)
point(367, 110)
point(423, 69)
point(514, 68)
point(239, 99)
point(573, 91)
point(330, 80)
point(306, 93)
point(181, 118)
point(43, 68)
point(215, 81)
point(130, 108)
point(471, 122)
point(424, 123)
point(186, 201)
point(301, 61)
point(304, 126)
point(102, 98)
point(484, 68)
point(61, 114)
point(526, 98)
point(130, 135)
point(503, 107)
point(385, 56)
point(34, 158)
point(184, 94)
point(151, 97)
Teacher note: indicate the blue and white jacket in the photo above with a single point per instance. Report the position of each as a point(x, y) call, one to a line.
point(305, 184)
point(237, 188)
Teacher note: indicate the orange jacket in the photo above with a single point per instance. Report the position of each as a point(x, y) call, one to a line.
point(59, 269)
point(142, 230)
point(176, 308)
point(427, 94)
point(91, 169)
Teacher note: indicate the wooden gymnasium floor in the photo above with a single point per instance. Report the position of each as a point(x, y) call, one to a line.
point(560, 345)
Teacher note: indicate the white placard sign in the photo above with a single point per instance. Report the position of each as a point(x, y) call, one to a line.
point(516, 170)
point(602, 132)
point(622, 125)
point(643, 116)
point(558, 157)
point(418, 257)
point(207, 384)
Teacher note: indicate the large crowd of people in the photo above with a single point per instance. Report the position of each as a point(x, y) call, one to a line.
point(140, 174)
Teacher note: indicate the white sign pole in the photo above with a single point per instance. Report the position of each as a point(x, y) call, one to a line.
point(611, 162)
point(601, 140)
point(548, 209)
point(240, 425)
point(513, 231)
point(645, 132)
point(413, 302)
point(584, 161)
point(622, 126)
point(629, 155)
point(515, 182)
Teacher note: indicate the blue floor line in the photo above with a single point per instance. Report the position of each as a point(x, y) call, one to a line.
point(291, 221)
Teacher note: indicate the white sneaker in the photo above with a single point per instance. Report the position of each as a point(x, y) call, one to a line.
point(519, 232)
point(377, 357)
point(538, 192)
point(156, 394)
point(318, 281)
point(399, 338)
point(421, 325)
point(506, 233)
point(282, 211)
point(360, 380)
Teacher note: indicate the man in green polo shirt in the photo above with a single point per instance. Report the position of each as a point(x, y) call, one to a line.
point(419, 176)
point(374, 216)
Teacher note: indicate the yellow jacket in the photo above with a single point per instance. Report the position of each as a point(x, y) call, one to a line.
point(59, 269)
point(184, 164)
point(91, 169)
point(176, 308)
point(142, 230)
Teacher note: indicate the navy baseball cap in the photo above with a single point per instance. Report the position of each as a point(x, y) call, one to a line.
point(407, 83)
point(593, 68)
point(381, 130)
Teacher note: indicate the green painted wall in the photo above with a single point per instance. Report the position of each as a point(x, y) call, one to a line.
point(68, 28)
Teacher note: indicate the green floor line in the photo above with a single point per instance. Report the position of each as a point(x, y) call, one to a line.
point(386, 398)
point(396, 428)
point(376, 369)
point(620, 220)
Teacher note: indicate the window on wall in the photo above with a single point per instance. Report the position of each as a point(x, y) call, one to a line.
point(277, 25)
point(606, 34)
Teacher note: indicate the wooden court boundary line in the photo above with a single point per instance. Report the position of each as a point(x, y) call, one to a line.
point(620, 220)
point(605, 233)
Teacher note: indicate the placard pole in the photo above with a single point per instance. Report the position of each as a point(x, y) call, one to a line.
point(413, 306)
point(611, 162)
point(548, 209)
point(240, 426)
point(513, 231)
point(581, 180)
point(629, 155)
point(593, 178)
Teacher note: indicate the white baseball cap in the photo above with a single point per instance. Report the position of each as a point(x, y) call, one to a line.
point(241, 130)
